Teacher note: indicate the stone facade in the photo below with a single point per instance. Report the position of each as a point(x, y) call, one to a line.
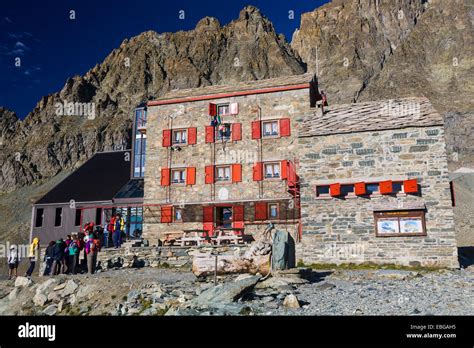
point(248, 151)
point(339, 230)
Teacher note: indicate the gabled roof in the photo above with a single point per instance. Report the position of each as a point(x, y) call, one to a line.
point(370, 116)
point(98, 179)
point(235, 89)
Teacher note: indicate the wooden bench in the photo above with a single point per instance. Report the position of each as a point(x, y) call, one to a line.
point(193, 235)
point(228, 234)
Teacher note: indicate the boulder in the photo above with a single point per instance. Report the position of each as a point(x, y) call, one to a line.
point(59, 287)
point(23, 282)
point(224, 293)
point(40, 299)
point(45, 285)
point(50, 310)
point(291, 301)
point(13, 294)
point(70, 288)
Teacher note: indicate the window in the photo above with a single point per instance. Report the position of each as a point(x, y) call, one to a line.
point(322, 190)
point(139, 155)
point(179, 136)
point(223, 173)
point(372, 188)
point(224, 131)
point(39, 217)
point(77, 220)
point(58, 216)
point(178, 176)
point(223, 109)
point(272, 170)
point(178, 215)
point(270, 128)
point(400, 223)
point(397, 187)
point(347, 189)
point(140, 118)
point(98, 216)
point(273, 210)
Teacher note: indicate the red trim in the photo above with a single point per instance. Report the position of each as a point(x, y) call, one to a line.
point(227, 95)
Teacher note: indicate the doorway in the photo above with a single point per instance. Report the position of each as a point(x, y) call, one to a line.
point(224, 217)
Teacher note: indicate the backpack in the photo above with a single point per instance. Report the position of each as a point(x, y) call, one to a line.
point(96, 244)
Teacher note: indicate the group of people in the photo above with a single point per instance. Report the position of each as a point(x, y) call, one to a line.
point(63, 256)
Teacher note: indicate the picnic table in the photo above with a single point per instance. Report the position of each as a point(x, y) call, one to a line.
point(228, 233)
point(171, 237)
point(194, 235)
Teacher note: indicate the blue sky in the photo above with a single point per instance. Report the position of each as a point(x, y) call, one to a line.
point(52, 47)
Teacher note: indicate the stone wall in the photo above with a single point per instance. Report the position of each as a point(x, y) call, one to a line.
point(339, 230)
point(286, 104)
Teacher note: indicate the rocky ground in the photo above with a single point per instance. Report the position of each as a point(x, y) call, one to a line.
point(155, 291)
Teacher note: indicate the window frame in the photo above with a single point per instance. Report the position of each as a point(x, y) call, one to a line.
point(219, 106)
point(42, 217)
point(175, 210)
point(270, 217)
point(173, 170)
point(400, 214)
point(181, 130)
point(273, 177)
point(78, 210)
point(216, 171)
point(225, 138)
point(60, 217)
point(271, 135)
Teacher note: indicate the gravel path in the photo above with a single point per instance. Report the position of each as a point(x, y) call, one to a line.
point(363, 293)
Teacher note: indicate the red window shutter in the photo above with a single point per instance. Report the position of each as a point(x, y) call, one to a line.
point(410, 186)
point(386, 187)
point(285, 127)
point(209, 134)
point(335, 190)
point(191, 176)
point(209, 174)
point(236, 172)
point(256, 130)
point(212, 109)
point(166, 137)
point(167, 214)
point(236, 131)
point(292, 172)
point(258, 171)
point(192, 135)
point(284, 169)
point(359, 188)
point(165, 176)
point(260, 211)
point(208, 219)
point(238, 216)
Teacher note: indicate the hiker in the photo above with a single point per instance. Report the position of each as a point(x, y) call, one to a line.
point(118, 229)
point(66, 253)
point(105, 241)
point(48, 257)
point(324, 101)
point(80, 246)
point(33, 256)
point(73, 251)
point(92, 249)
point(13, 261)
point(59, 260)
